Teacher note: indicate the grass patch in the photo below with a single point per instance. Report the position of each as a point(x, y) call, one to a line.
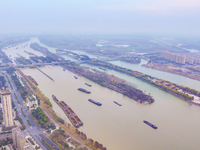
point(16, 97)
point(9, 83)
point(58, 119)
point(28, 122)
point(45, 142)
point(23, 112)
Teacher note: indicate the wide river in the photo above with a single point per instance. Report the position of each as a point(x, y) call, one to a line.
point(122, 128)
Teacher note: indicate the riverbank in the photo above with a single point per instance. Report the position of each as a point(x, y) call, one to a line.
point(132, 60)
point(126, 119)
point(47, 108)
point(179, 72)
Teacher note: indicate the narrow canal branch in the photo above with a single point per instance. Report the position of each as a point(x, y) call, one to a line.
point(180, 91)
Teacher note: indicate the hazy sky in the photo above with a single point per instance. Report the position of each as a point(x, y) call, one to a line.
point(181, 17)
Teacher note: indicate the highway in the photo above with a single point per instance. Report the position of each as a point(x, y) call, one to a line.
point(33, 129)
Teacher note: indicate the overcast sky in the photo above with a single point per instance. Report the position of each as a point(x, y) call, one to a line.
point(180, 17)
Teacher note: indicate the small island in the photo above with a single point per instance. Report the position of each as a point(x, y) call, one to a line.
point(112, 82)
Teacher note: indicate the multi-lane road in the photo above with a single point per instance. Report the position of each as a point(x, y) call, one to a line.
point(33, 129)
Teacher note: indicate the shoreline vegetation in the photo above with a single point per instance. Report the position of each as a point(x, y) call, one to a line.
point(172, 88)
point(132, 60)
point(166, 69)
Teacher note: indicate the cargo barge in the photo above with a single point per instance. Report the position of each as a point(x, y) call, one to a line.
point(117, 103)
point(69, 112)
point(95, 102)
point(84, 90)
point(32, 80)
point(151, 125)
point(102, 68)
point(88, 84)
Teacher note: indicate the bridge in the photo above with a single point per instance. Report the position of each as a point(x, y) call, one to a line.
point(32, 65)
point(101, 59)
point(40, 64)
point(54, 63)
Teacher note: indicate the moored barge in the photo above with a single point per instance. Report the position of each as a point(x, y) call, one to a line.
point(32, 80)
point(102, 68)
point(69, 112)
point(95, 102)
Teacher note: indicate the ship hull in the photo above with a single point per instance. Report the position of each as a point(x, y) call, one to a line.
point(151, 125)
point(88, 84)
point(117, 103)
point(94, 102)
point(74, 119)
point(84, 90)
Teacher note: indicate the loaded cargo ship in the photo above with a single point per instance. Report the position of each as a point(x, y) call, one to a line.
point(32, 80)
point(69, 112)
point(88, 84)
point(151, 125)
point(84, 90)
point(102, 68)
point(117, 103)
point(95, 102)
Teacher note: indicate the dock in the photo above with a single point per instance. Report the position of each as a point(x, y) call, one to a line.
point(68, 112)
point(32, 80)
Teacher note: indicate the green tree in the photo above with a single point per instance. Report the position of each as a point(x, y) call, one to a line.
point(49, 131)
point(41, 122)
point(65, 145)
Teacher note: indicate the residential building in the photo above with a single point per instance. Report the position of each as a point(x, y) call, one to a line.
point(19, 141)
point(7, 107)
point(178, 58)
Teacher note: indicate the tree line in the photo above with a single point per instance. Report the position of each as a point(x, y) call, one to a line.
point(40, 116)
point(147, 78)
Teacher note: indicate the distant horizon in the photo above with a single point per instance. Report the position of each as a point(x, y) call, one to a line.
point(168, 17)
point(117, 35)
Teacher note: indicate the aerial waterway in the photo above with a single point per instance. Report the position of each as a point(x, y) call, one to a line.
point(122, 127)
